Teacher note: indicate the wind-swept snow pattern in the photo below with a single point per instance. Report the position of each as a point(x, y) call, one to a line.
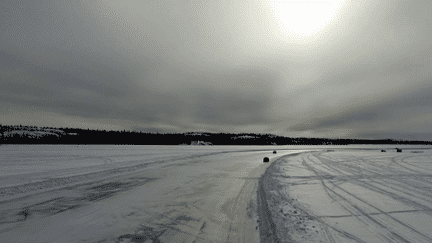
point(352, 196)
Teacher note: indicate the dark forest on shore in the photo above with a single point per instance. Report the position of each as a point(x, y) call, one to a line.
point(18, 134)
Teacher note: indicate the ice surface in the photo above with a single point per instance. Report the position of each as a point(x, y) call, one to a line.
point(104, 193)
point(131, 193)
point(353, 196)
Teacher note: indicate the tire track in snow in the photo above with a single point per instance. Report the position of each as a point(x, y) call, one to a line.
point(267, 227)
point(348, 206)
point(192, 218)
point(393, 236)
point(404, 191)
point(55, 183)
point(237, 226)
point(286, 218)
point(78, 196)
point(391, 177)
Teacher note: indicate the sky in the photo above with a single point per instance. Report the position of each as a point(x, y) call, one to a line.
point(328, 69)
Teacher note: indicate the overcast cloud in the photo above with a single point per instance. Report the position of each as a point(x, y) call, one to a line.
point(219, 66)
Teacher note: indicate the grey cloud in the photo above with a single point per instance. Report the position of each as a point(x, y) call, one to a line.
point(189, 65)
point(229, 108)
point(107, 91)
point(411, 103)
point(98, 92)
point(341, 120)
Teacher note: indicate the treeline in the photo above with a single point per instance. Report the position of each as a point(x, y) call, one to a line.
point(18, 134)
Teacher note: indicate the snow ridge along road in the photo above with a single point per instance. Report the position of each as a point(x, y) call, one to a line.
point(352, 196)
point(131, 193)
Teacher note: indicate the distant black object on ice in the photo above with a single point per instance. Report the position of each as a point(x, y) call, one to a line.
point(382, 150)
point(274, 151)
point(266, 159)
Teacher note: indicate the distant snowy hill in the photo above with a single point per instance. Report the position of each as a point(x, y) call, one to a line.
point(29, 134)
point(200, 143)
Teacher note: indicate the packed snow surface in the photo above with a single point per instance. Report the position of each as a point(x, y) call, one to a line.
point(352, 196)
point(101, 193)
point(107, 193)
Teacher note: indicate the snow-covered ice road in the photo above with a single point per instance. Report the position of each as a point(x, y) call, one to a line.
point(214, 194)
point(352, 196)
point(131, 193)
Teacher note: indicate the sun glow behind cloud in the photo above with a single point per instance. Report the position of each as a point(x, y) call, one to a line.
point(303, 19)
point(328, 68)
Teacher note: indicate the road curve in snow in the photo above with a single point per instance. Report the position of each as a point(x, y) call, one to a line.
point(206, 196)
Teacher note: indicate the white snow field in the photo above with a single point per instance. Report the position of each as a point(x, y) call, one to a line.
point(352, 196)
point(108, 193)
point(100, 193)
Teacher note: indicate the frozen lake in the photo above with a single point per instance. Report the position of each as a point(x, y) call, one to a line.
point(108, 193)
point(352, 196)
